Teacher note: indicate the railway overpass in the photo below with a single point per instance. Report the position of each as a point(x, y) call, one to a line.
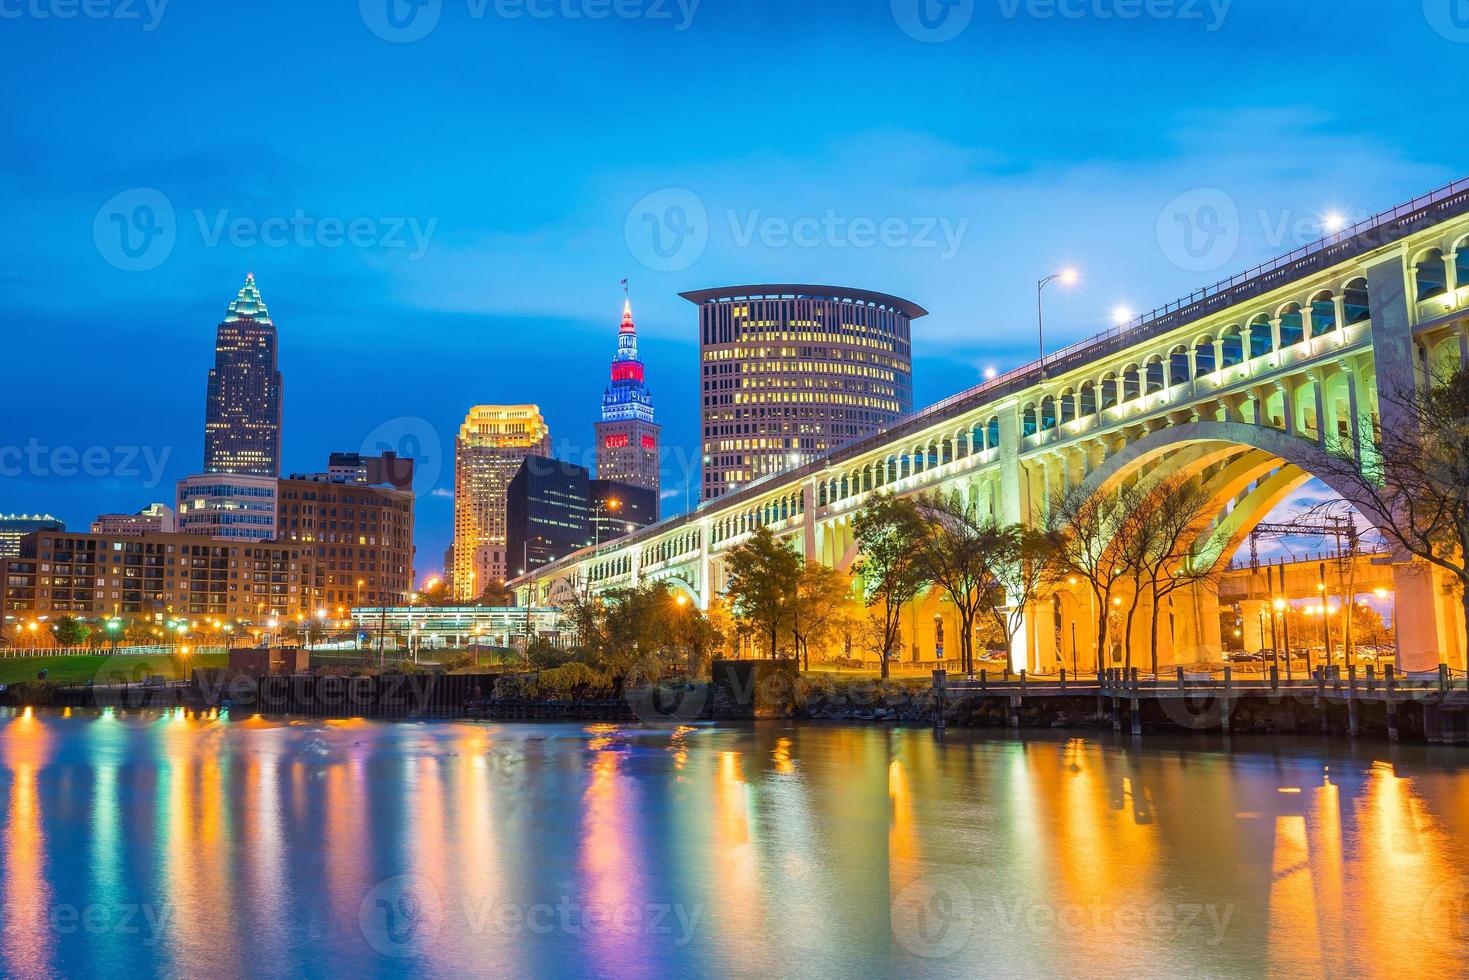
point(1244, 387)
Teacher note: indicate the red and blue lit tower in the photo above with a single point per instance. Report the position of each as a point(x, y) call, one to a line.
point(627, 437)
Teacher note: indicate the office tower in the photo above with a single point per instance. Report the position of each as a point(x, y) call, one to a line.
point(790, 372)
point(492, 443)
point(547, 515)
point(627, 437)
point(242, 411)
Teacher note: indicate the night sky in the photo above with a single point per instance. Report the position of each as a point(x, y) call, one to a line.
point(442, 220)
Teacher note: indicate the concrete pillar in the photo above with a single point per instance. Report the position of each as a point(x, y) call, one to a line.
point(808, 521)
point(1287, 404)
point(1044, 659)
point(1318, 386)
point(706, 588)
point(1428, 626)
point(1009, 495)
point(1256, 621)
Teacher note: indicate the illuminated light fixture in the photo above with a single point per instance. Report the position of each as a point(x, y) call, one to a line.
point(1121, 315)
point(990, 373)
point(1333, 222)
point(1068, 276)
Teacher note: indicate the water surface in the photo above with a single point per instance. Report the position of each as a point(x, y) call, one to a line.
point(172, 844)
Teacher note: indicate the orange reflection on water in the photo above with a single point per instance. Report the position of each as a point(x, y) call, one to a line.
point(25, 941)
point(611, 864)
point(735, 896)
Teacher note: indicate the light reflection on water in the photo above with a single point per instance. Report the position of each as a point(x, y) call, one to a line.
point(174, 844)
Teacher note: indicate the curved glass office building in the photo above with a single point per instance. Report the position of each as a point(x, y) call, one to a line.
point(789, 372)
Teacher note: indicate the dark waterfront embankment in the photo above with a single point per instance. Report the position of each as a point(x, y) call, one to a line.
point(752, 690)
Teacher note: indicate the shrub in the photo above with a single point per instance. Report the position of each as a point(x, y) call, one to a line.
point(574, 680)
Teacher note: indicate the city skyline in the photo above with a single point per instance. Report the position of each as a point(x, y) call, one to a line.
point(523, 242)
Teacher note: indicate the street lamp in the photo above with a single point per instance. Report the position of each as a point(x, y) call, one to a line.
point(1066, 277)
point(598, 510)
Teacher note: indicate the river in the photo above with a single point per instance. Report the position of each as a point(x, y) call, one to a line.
point(175, 844)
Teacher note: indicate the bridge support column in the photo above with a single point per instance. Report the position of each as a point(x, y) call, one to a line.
point(1255, 623)
point(1046, 658)
point(1427, 618)
point(1196, 626)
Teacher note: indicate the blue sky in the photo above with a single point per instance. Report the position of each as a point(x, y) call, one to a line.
point(502, 172)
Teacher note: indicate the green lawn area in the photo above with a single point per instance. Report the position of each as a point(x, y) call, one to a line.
point(115, 670)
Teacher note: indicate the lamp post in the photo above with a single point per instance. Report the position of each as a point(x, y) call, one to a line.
point(1280, 607)
point(1066, 277)
point(598, 509)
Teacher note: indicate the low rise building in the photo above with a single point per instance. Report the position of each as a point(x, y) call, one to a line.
point(357, 540)
point(155, 518)
point(86, 574)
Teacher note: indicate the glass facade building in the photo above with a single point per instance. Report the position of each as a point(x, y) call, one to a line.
point(547, 513)
point(228, 506)
point(790, 372)
point(13, 527)
point(242, 409)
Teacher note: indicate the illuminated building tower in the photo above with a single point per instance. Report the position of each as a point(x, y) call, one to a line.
point(627, 436)
point(492, 443)
point(789, 372)
point(242, 411)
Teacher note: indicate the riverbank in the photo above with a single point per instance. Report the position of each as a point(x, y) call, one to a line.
point(750, 690)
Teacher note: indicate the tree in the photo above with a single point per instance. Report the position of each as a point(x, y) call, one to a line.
point(820, 608)
point(1088, 529)
point(1412, 480)
point(957, 554)
point(138, 633)
point(496, 594)
point(1170, 519)
point(763, 573)
point(1021, 560)
point(70, 632)
point(889, 535)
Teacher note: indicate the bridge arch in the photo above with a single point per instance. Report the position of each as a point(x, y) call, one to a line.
point(1240, 455)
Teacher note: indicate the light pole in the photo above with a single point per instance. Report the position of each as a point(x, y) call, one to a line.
point(600, 508)
point(1066, 277)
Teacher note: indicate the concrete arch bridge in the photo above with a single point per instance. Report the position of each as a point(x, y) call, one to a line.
point(1243, 388)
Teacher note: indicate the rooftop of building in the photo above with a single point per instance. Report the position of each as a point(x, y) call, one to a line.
point(842, 294)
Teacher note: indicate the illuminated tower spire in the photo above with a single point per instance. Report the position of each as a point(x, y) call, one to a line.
point(628, 437)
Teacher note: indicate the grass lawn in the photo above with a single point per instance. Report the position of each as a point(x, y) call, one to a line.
point(104, 668)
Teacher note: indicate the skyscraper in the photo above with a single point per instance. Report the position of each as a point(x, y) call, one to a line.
point(492, 443)
point(789, 372)
point(627, 436)
point(242, 411)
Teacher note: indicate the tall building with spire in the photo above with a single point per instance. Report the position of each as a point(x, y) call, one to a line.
point(627, 437)
point(242, 411)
